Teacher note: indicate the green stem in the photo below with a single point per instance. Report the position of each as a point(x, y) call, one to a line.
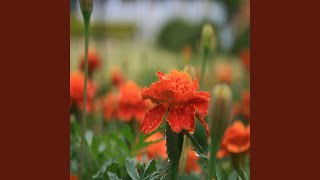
point(174, 149)
point(203, 67)
point(212, 171)
point(194, 142)
point(184, 154)
point(86, 19)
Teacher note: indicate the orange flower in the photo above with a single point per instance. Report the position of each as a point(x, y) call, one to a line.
point(76, 90)
point(245, 57)
point(110, 106)
point(176, 94)
point(192, 163)
point(73, 177)
point(116, 77)
point(94, 61)
point(236, 140)
point(130, 103)
point(224, 73)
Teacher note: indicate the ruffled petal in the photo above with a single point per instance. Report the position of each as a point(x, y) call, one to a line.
point(182, 117)
point(158, 92)
point(201, 101)
point(152, 119)
point(203, 122)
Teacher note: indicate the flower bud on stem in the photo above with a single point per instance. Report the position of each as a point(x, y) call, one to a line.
point(219, 114)
point(208, 42)
point(86, 9)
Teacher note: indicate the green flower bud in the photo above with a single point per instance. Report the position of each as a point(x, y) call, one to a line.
point(86, 7)
point(220, 110)
point(208, 37)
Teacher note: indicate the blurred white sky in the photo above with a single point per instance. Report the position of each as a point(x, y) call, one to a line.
point(149, 16)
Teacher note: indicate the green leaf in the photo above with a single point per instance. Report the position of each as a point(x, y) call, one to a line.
point(126, 130)
point(174, 149)
point(234, 176)
point(131, 169)
point(112, 176)
point(150, 168)
point(110, 165)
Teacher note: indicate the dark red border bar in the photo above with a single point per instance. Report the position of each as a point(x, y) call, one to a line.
point(34, 93)
point(285, 99)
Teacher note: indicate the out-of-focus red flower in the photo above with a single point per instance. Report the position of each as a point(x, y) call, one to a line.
point(94, 60)
point(192, 163)
point(130, 103)
point(110, 106)
point(116, 77)
point(245, 104)
point(176, 93)
point(224, 73)
point(236, 140)
point(157, 149)
point(245, 57)
point(76, 90)
point(73, 177)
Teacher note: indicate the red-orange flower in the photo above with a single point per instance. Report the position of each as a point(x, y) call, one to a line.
point(76, 90)
point(116, 77)
point(130, 103)
point(110, 106)
point(176, 94)
point(94, 61)
point(73, 177)
point(236, 139)
point(245, 57)
point(192, 163)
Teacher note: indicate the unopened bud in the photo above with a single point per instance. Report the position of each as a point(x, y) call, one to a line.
point(220, 110)
point(208, 37)
point(86, 7)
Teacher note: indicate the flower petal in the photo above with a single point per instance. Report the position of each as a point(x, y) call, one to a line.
point(152, 119)
point(158, 92)
point(182, 117)
point(203, 122)
point(201, 101)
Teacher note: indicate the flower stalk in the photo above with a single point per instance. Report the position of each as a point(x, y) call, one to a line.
point(219, 114)
point(174, 148)
point(86, 9)
point(208, 43)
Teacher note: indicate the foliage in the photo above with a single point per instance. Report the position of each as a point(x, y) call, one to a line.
point(177, 33)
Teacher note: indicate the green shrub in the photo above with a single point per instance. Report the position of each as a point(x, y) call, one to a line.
point(177, 33)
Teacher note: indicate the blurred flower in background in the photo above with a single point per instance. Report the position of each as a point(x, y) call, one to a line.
point(76, 91)
point(236, 140)
point(130, 103)
point(94, 61)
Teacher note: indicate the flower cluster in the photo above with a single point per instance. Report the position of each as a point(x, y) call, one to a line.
point(127, 104)
point(176, 94)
